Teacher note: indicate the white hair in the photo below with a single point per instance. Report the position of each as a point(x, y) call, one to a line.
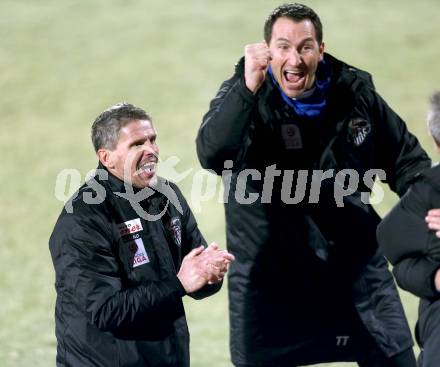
point(434, 117)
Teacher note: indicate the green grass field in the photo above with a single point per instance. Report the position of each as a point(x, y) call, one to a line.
point(63, 62)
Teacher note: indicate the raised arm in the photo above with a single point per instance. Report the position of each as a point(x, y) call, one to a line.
point(225, 130)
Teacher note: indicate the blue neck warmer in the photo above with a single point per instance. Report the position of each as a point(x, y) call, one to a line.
point(313, 105)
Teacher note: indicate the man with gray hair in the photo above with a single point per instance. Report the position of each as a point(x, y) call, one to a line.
point(415, 251)
point(434, 118)
point(122, 270)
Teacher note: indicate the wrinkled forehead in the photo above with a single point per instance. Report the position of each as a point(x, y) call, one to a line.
point(137, 129)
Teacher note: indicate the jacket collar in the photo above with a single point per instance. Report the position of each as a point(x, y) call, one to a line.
point(113, 183)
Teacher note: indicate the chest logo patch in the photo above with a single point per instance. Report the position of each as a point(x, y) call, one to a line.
point(175, 230)
point(129, 227)
point(137, 248)
point(358, 130)
point(291, 136)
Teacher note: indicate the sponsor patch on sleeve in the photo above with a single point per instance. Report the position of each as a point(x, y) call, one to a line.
point(129, 227)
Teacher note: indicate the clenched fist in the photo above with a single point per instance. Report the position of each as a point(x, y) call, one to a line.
point(256, 62)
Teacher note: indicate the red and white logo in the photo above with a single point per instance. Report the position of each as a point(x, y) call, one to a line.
point(130, 227)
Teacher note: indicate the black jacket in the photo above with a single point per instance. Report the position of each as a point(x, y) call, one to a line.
point(119, 301)
point(297, 267)
point(412, 248)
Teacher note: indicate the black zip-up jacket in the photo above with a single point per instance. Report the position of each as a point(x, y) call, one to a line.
point(300, 268)
point(119, 301)
point(413, 248)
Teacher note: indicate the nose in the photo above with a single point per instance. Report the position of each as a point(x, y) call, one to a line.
point(150, 147)
point(295, 58)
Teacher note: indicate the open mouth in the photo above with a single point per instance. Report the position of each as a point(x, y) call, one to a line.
point(293, 76)
point(148, 168)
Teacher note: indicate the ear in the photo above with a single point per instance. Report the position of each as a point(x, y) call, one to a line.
point(106, 158)
point(321, 51)
point(437, 145)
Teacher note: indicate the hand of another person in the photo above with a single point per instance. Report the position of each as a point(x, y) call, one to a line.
point(437, 280)
point(256, 62)
point(433, 220)
point(202, 266)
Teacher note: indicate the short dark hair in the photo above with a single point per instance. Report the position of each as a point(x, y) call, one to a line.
point(106, 127)
point(434, 117)
point(297, 13)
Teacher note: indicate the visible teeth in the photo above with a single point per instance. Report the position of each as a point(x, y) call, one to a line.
point(148, 167)
point(293, 72)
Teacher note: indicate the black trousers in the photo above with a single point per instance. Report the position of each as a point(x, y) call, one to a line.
point(356, 346)
point(374, 359)
point(338, 335)
point(378, 359)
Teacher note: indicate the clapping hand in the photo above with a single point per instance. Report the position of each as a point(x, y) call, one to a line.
point(204, 266)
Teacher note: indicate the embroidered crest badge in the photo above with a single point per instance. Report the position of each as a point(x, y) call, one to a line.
point(175, 229)
point(358, 130)
point(291, 136)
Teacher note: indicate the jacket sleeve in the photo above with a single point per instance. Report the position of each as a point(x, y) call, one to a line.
point(225, 127)
point(398, 151)
point(192, 238)
point(409, 244)
point(403, 231)
point(88, 270)
point(416, 275)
